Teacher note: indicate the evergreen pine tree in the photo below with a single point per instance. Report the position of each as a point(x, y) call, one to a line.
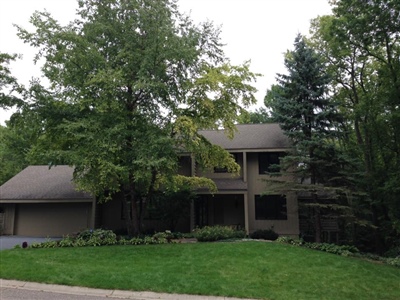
point(300, 103)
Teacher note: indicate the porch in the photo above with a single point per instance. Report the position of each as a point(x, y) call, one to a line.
point(220, 209)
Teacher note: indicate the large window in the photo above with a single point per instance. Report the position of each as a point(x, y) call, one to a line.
point(268, 162)
point(270, 207)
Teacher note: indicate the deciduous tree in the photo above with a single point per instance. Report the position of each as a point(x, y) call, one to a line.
point(362, 54)
point(131, 82)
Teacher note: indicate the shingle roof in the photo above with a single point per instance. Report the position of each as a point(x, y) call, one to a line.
point(230, 184)
point(250, 136)
point(42, 183)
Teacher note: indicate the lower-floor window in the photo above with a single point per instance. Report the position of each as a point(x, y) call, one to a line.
point(270, 207)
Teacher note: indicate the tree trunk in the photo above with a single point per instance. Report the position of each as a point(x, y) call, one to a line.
point(127, 216)
point(144, 202)
point(135, 221)
point(130, 211)
point(317, 219)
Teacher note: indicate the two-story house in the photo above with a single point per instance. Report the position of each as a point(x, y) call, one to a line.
point(241, 199)
point(43, 202)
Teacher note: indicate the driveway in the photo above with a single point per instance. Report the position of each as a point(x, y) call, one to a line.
point(10, 241)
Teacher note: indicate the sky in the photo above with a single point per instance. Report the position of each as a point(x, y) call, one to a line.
point(257, 30)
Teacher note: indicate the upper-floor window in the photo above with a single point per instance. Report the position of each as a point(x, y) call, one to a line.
point(270, 207)
point(268, 162)
point(185, 165)
point(224, 169)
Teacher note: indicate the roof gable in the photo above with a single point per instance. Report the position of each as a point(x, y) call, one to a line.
point(42, 183)
point(250, 136)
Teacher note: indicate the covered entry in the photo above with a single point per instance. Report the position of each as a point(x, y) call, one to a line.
point(220, 209)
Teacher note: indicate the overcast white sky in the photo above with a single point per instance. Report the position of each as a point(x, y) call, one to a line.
point(256, 30)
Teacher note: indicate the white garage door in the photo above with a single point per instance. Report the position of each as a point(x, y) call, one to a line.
point(51, 219)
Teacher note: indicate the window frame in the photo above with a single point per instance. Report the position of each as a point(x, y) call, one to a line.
point(270, 207)
point(265, 162)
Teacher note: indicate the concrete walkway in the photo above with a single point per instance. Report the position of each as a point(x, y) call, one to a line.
point(100, 293)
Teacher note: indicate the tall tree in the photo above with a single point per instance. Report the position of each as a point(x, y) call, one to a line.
point(363, 55)
point(13, 146)
point(300, 103)
point(9, 87)
point(259, 116)
point(132, 81)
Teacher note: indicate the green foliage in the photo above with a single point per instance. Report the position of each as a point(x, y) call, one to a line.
point(259, 116)
point(264, 234)
point(89, 237)
point(10, 90)
point(101, 237)
point(217, 232)
point(131, 83)
point(301, 103)
point(290, 240)
point(172, 206)
point(393, 261)
point(362, 56)
point(97, 237)
point(344, 250)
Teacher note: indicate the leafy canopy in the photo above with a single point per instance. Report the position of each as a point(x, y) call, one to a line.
point(131, 83)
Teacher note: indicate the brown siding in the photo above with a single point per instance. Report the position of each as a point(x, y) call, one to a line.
point(8, 221)
point(256, 186)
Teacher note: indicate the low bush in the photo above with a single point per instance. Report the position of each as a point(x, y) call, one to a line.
point(101, 237)
point(290, 240)
point(97, 237)
point(264, 234)
point(217, 233)
point(393, 252)
point(393, 261)
point(345, 250)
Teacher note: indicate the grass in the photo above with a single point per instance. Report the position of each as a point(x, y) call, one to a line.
point(246, 269)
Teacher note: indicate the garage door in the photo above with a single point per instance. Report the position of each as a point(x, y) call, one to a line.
point(51, 219)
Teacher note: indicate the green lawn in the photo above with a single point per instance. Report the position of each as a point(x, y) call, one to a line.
point(245, 269)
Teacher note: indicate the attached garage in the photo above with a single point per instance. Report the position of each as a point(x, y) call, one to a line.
point(43, 202)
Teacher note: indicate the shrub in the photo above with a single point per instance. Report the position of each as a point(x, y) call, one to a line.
point(393, 261)
point(46, 244)
point(216, 233)
point(290, 240)
point(88, 237)
point(393, 252)
point(345, 250)
point(96, 237)
point(165, 236)
point(264, 234)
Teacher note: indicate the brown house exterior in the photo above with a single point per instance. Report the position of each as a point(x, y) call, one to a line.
point(240, 200)
point(44, 202)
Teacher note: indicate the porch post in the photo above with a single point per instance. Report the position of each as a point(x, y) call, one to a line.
point(246, 213)
point(93, 217)
point(244, 167)
point(191, 215)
